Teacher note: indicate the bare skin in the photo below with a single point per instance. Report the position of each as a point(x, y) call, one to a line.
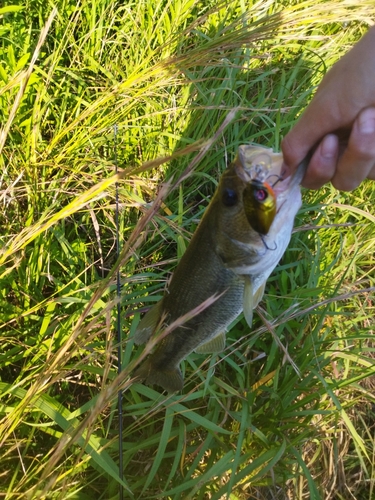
point(342, 108)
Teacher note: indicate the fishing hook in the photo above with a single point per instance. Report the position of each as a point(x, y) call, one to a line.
point(265, 244)
point(279, 178)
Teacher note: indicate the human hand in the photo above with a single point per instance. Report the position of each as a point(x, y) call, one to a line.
point(343, 106)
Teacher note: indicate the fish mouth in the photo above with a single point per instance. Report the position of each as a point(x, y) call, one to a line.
point(262, 164)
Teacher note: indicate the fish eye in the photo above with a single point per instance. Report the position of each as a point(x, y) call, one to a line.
point(229, 197)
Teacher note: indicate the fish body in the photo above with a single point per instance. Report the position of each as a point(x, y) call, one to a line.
point(239, 241)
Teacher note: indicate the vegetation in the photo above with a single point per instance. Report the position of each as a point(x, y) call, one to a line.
point(148, 83)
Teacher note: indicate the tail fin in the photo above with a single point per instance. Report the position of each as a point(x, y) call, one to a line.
point(170, 379)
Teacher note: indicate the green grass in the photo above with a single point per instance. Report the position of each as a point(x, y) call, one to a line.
point(168, 74)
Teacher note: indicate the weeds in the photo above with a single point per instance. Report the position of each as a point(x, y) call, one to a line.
point(168, 74)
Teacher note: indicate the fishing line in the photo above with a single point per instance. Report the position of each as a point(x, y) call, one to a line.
point(119, 353)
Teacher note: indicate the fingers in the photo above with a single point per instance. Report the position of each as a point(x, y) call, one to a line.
point(311, 128)
point(371, 175)
point(323, 163)
point(298, 142)
point(344, 101)
point(358, 159)
point(348, 170)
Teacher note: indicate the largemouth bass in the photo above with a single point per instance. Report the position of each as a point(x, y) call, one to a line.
point(242, 236)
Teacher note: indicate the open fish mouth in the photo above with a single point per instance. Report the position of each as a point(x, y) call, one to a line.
point(261, 165)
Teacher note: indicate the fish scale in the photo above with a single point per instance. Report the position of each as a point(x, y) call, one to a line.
point(226, 256)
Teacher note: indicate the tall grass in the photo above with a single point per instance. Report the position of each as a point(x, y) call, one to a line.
point(169, 74)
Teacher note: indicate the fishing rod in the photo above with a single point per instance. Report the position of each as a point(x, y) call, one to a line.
point(118, 319)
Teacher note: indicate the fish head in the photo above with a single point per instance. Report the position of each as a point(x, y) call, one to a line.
point(230, 218)
point(255, 204)
point(267, 187)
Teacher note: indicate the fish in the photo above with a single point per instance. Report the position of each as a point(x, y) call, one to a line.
point(240, 239)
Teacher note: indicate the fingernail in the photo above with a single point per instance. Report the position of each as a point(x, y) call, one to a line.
point(329, 146)
point(366, 121)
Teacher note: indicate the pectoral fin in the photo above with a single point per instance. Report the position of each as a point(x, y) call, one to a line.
point(217, 344)
point(251, 300)
point(259, 294)
point(235, 253)
point(248, 301)
point(148, 324)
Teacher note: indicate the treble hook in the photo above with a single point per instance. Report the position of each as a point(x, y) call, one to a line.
point(265, 244)
point(279, 178)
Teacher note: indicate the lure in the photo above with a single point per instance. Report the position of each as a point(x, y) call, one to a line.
point(259, 202)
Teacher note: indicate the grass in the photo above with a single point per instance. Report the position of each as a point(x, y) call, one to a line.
point(168, 75)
